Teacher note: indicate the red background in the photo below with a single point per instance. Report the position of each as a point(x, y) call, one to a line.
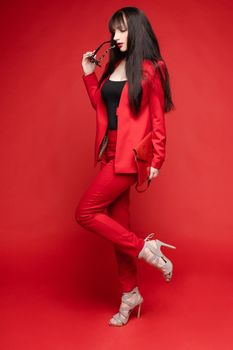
point(59, 282)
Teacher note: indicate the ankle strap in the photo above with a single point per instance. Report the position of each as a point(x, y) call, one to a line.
point(149, 236)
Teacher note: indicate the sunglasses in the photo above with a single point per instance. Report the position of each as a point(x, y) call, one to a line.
point(95, 60)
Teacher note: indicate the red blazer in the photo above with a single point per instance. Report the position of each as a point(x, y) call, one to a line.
point(131, 130)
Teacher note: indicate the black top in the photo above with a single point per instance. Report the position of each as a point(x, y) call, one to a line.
point(111, 93)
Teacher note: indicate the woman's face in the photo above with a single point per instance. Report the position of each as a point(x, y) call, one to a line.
point(121, 36)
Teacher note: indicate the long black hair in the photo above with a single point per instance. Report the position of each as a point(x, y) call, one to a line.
point(142, 44)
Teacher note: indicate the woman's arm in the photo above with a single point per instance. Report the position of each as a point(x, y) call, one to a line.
point(156, 101)
point(91, 84)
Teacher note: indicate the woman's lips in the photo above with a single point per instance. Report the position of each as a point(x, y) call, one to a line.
point(120, 44)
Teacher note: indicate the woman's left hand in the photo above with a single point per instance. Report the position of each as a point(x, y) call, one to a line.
point(153, 173)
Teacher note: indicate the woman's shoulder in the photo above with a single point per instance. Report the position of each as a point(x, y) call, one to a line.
point(149, 67)
point(147, 63)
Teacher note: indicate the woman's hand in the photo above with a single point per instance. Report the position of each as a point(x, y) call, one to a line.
point(88, 66)
point(153, 172)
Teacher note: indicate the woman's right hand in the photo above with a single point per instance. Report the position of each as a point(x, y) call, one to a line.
point(88, 66)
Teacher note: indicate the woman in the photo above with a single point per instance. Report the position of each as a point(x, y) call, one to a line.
point(130, 100)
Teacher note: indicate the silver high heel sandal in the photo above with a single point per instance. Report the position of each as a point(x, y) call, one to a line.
point(152, 254)
point(122, 317)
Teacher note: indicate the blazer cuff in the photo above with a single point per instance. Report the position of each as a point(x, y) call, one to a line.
point(90, 78)
point(157, 164)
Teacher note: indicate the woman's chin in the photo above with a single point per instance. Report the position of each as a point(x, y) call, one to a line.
point(122, 49)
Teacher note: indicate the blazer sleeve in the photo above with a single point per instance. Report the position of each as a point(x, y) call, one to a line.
point(156, 102)
point(91, 83)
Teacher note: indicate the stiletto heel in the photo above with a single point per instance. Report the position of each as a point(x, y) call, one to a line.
point(122, 317)
point(152, 254)
point(139, 309)
point(160, 243)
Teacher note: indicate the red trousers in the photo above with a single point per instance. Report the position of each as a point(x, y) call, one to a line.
point(104, 209)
